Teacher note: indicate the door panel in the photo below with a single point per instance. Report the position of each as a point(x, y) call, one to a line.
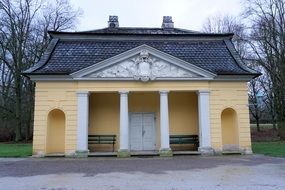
point(148, 132)
point(136, 132)
point(142, 131)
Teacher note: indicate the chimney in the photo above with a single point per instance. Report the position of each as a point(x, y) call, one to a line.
point(113, 22)
point(167, 22)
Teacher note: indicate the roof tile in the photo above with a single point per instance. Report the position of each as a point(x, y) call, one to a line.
point(72, 55)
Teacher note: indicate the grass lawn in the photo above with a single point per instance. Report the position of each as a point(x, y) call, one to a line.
point(269, 148)
point(15, 150)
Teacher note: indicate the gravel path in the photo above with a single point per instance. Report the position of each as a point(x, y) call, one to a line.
point(177, 173)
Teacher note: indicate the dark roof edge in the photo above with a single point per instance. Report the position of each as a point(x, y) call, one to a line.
point(147, 28)
point(62, 73)
point(238, 60)
point(45, 57)
point(128, 34)
point(252, 74)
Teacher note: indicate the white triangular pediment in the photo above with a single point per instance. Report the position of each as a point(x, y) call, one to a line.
point(143, 63)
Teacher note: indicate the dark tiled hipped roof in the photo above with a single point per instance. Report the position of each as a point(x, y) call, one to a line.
point(212, 52)
point(72, 55)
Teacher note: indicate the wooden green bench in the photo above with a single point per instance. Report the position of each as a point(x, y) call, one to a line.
point(184, 139)
point(102, 139)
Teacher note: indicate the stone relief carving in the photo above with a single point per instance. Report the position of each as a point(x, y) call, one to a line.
point(144, 67)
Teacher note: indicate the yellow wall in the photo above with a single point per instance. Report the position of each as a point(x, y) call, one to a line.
point(229, 95)
point(104, 118)
point(55, 132)
point(62, 95)
point(49, 96)
point(229, 128)
point(183, 113)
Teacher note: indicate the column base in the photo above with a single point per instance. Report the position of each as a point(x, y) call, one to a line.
point(218, 152)
point(247, 151)
point(38, 154)
point(206, 151)
point(165, 152)
point(123, 153)
point(81, 153)
point(70, 154)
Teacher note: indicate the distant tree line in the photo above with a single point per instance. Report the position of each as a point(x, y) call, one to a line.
point(23, 38)
point(260, 40)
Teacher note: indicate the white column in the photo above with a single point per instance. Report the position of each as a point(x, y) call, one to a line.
point(164, 121)
point(204, 121)
point(82, 120)
point(124, 121)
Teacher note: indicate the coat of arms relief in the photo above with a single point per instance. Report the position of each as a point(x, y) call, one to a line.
point(143, 67)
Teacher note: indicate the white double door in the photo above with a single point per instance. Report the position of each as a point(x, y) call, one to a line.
point(142, 131)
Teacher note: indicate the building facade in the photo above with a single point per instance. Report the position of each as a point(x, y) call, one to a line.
point(143, 86)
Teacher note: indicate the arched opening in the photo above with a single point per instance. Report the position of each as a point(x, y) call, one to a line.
point(55, 132)
point(229, 123)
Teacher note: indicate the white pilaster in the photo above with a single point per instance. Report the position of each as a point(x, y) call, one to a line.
point(82, 121)
point(164, 121)
point(124, 121)
point(204, 122)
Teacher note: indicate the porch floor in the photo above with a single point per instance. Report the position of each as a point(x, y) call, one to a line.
point(55, 155)
point(94, 154)
point(142, 153)
point(186, 153)
point(229, 152)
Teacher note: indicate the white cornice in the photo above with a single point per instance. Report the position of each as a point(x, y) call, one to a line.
point(234, 78)
point(69, 78)
point(51, 77)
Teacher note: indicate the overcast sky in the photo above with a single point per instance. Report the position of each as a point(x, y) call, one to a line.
point(188, 14)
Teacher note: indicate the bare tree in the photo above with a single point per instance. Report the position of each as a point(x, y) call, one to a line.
point(223, 24)
point(268, 44)
point(23, 33)
point(256, 96)
point(266, 86)
point(230, 24)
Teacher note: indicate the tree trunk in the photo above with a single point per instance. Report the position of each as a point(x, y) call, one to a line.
point(257, 124)
point(28, 125)
point(273, 121)
point(281, 129)
point(27, 134)
point(18, 135)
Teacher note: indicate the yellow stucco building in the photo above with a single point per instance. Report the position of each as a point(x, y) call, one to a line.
point(140, 90)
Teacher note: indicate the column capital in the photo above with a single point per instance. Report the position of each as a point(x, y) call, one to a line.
point(83, 93)
point(204, 91)
point(163, 92)
point(123, 92)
